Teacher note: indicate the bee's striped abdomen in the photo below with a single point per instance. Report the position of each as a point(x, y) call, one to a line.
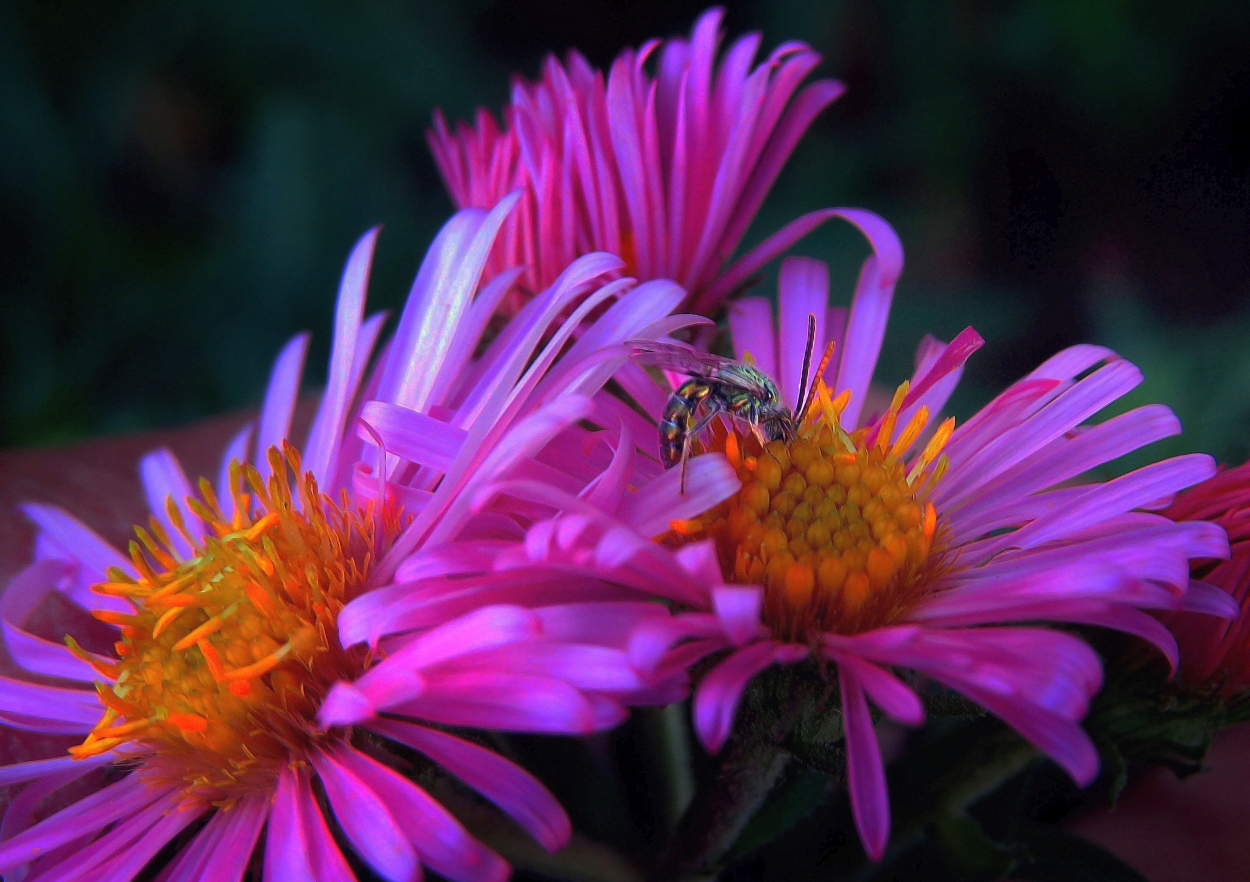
point(679, 418)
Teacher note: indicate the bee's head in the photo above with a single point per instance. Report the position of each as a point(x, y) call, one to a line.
point(777, 424)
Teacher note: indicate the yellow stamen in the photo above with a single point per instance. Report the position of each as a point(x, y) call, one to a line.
point(259, 528)
point(215, 668)
point(94, 748)
point(121, 589)
point(212, 626)
point(110, 617)
point(188, 722)
point(264, 666)
point(828, 523)
point(911, 431)
point(686, 527)
point(106, 669)
point(177, 600)
point(221, 669)
point(886, 432)
point(167, 618)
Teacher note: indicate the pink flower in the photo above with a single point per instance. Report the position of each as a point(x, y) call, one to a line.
point(225, 615)
point(666, 170)
point(880, 545)
point(1214, 652)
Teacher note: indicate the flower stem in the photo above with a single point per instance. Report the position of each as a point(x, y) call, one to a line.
point(749, 769)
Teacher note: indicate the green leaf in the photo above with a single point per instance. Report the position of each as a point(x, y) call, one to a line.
point(970, 850)
point(1056, 855)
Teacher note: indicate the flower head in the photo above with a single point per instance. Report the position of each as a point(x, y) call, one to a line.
point(1215, 652)
point(666, 169)
point(896, 543)
point(229, 686)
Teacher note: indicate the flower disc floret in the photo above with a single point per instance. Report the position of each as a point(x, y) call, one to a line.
point(229, 652)
point(836, 527)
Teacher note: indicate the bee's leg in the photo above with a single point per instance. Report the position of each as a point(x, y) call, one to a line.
point(688, 443)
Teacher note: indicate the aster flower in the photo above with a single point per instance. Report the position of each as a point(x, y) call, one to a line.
point(666, 170)
point(206, 712)
point(1214, 652)
point(884, 547)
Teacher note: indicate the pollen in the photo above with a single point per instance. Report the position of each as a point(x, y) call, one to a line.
point(837, 527)
point(228, 652)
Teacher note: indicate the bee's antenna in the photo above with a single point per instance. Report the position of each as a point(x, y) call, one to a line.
point(820, 372)
point(807, 363)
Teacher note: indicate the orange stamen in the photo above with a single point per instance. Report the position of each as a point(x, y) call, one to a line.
point(260, 527)
point(114, 618)
point(188, 722)
point(167, 619)
point(177, 600)
point(264, 666)
point(212, 626)
point(120, 589)
point(215, 667)
point(685, 527)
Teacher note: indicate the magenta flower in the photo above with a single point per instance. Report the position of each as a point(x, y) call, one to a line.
point(208, 705)
point(1213, 652)
point(880, 545)
point(666, 170)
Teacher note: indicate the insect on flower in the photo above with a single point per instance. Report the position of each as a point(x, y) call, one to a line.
point(722, 386)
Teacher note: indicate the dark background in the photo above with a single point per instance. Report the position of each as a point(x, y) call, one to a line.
point(181, 182)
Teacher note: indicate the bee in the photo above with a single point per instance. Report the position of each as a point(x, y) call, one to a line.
point(719, 386)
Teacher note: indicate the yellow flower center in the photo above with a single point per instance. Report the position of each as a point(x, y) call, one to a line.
point(836, 527)
point(228, 653)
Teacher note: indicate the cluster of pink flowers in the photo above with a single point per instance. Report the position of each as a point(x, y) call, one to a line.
point(665, 170)
point(1216, 652)
point(478, 532)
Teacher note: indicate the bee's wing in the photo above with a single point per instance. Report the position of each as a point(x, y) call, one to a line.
point(676, 357)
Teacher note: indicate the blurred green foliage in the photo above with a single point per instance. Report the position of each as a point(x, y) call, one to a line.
point(180, 182)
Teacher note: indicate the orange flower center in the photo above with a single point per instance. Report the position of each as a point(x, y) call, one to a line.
point(228, 653)
point(836, 527)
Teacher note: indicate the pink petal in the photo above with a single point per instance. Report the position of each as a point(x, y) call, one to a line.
point(1146, 486)
point(413, 436)
point(608, 623)
point(513, 703)
point(299, 845)
point(45, 780)
point(864, 769)
point(77, 710)
point(481, 629)
point(164, 479)
point(802, 290)
point(19, 772)
point(442, 843)
point(280, 398)
point(18, 601)
point(366, 820)
point(739, 612)
point(130, 845)
point(236, 451)
point(507, 785)
point(112, 803)
point(888, 692)
point(327, 429)
point(189, 865)
point(716, 699)
point(595, 668)
point(751, 326)
point(709, 480)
